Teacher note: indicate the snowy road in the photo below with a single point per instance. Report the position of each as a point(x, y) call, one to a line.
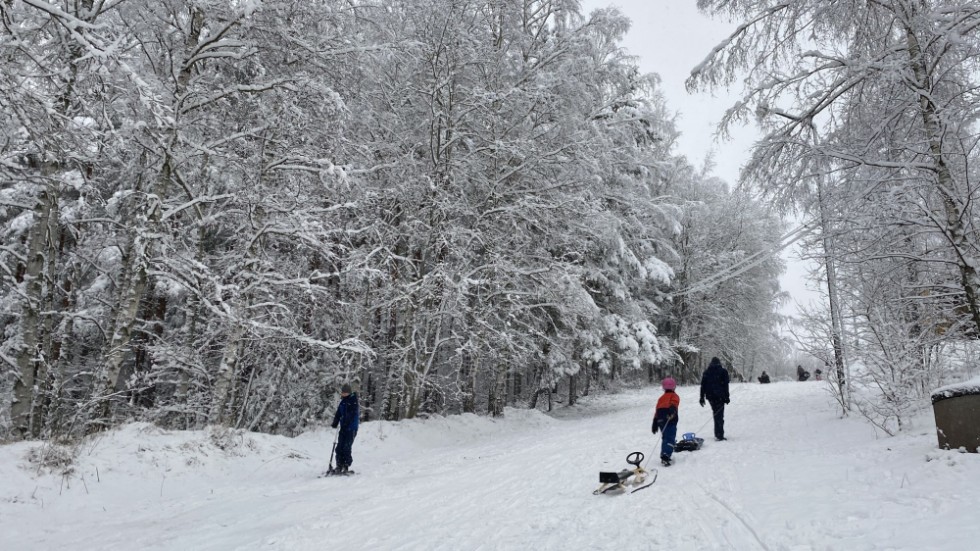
point(792, 476)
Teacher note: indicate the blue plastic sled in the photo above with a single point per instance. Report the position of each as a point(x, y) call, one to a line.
point(688, 443)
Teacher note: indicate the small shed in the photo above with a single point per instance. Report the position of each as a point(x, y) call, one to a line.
point(957, 410)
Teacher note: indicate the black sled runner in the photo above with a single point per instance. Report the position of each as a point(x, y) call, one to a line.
point(637, 477)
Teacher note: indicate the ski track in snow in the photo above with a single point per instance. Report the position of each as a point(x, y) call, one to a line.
point(792, 477)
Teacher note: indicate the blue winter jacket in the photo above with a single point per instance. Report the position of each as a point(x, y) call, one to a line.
point(714, 382)
point(348, 413)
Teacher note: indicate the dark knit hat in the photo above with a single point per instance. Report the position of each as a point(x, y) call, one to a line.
point(345, 388)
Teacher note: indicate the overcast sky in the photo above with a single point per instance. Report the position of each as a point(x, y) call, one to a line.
point(670, 37)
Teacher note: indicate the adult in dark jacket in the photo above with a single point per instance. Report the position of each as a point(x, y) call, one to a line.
point(347, 418)
point(764, 378)
point(714, 387)
point(802, 374)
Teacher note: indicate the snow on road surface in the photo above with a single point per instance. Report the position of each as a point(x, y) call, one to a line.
point(793, 476)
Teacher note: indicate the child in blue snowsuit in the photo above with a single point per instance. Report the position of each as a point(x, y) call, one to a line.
point(347, 418)
point(665, 419)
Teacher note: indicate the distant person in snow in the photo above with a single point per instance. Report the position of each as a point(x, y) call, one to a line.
point(801, 373)
point(764, 378)
point(665, 419)
point(347, 418)
point(818, 374)
point(714, 387)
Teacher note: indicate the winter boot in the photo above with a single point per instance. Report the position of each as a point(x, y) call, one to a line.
point(665, 460)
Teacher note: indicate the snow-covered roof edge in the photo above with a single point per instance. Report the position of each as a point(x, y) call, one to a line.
point(964, 388)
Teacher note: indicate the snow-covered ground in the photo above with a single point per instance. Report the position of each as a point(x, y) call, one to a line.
point(792, 476)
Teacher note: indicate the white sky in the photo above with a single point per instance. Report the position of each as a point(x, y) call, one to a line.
point(670, 37)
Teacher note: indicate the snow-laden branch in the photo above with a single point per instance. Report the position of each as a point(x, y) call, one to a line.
point(83, 32)
point(703, 71)
point(194, 203)
point(186, 105)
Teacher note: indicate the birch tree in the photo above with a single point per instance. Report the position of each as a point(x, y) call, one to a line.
point(889, 85)
point(49, 97)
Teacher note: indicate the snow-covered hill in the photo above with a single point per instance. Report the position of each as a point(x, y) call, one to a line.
point(792, 476)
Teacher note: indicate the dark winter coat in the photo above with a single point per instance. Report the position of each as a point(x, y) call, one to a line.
point(714, 382)
point(802, 374)
point(348, 414)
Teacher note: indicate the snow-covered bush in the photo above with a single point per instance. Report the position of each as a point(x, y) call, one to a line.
point(56, 458)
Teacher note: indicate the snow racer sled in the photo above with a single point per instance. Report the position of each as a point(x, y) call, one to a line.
point(636, 477)
point(336, 472)
point(688, 443)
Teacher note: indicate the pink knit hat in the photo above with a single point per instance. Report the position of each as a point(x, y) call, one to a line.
point(669, 383)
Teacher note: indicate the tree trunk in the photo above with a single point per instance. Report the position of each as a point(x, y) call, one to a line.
point(224, 385)
point(468, 378)
point(571, 390)
point(496, 389)
point(835, 318)
point(47, 356)
point(945, 185)
point(63, 351)
point(132, 286)
point(28, 360)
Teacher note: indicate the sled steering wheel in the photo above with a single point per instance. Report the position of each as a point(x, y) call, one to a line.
point(635, 459)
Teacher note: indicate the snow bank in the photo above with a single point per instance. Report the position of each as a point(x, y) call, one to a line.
point(141, 449)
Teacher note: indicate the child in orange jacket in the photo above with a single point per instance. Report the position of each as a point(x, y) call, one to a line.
point(665, 419)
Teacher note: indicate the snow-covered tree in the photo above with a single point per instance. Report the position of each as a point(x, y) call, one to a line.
point(727, 295)
point(870, 113)
point(214, 212)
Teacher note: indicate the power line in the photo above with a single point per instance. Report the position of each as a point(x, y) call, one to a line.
point(748, 262)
